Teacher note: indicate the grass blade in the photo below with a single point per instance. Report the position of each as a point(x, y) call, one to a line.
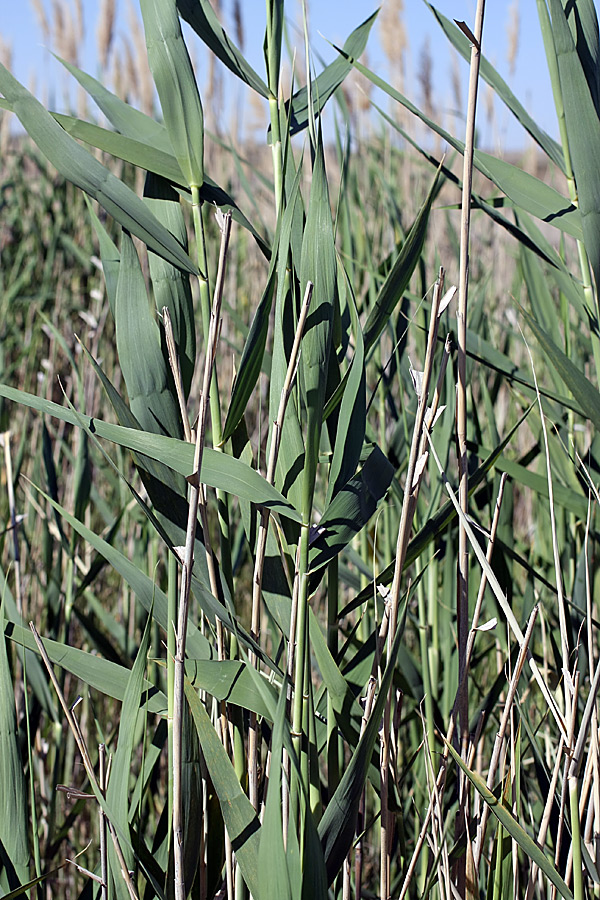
point(583, 130)
point(170, 285)
point(84, 171)
point(586, 395)
point(218, 470)
point(399, 277)
point(200, 15)
point(495, 80)
point(516, 831)
point(338, 825)
point(240, 819)
point(350, 509)
point(175, 82)
point(13, 789)
point(327, 83)
point(139, 349)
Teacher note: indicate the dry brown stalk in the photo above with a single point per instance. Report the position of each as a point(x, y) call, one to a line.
point(441, 778)
point(501, 733)
point(462, 600)
point(196, 504)
point(102, 782)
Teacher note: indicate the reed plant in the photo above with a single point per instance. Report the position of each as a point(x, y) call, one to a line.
point(321, 621)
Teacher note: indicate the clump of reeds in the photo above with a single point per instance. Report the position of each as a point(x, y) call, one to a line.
point(298, 605)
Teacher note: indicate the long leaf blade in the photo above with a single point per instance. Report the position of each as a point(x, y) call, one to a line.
point(86, 172)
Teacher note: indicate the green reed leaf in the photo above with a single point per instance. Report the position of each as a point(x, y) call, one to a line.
point(326, 84)
point(218, 469)
point(401, 272)
point(489, 74)
point(14, 823)
point(242, 823)
point(524, 190)
point(175, 82)
point(86, 172)
point(200, 15)
point(529, 847)
point(151, 399)
point(583, 131)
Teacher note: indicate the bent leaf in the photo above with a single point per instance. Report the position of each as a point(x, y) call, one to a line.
point(532, 850)
point(86, 172)
point(218, 469)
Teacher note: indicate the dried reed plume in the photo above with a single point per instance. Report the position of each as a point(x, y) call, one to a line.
point(42, 19)
point(105, 31)
point(512, 33)
point(392, 36)
point(424, 77)
point(239, 24)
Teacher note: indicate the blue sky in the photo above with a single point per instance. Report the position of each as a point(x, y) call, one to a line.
point(333, 20)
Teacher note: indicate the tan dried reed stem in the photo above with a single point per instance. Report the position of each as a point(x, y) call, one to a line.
point(411, 492)
point(501, 733)
point(102, 783)
point(196, 503)
point(452, 725)
point(461, 427)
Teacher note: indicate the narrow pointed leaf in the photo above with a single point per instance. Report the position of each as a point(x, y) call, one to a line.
point(279, 872)
point(239, 816)
point(218, 469)
point(109, 254)
point(326, 84)
point(175, 82)
point(153, 159)
point(319, 266)
point(583, 21)
point(200, 15)
point(170, 285)
point(351, 422)
point(254, 347)
point(102, 675)
point(529, 847)
point(401, 272)
point(583, 131)
point(13, 790)
point(495, 80)
point(125, 118)
point(338, 825)
point(252, 357)
point(117, 793)
point(139, 348)
point(86, 172)
point(350, 509)
point(586, 395)
point(524, 190)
